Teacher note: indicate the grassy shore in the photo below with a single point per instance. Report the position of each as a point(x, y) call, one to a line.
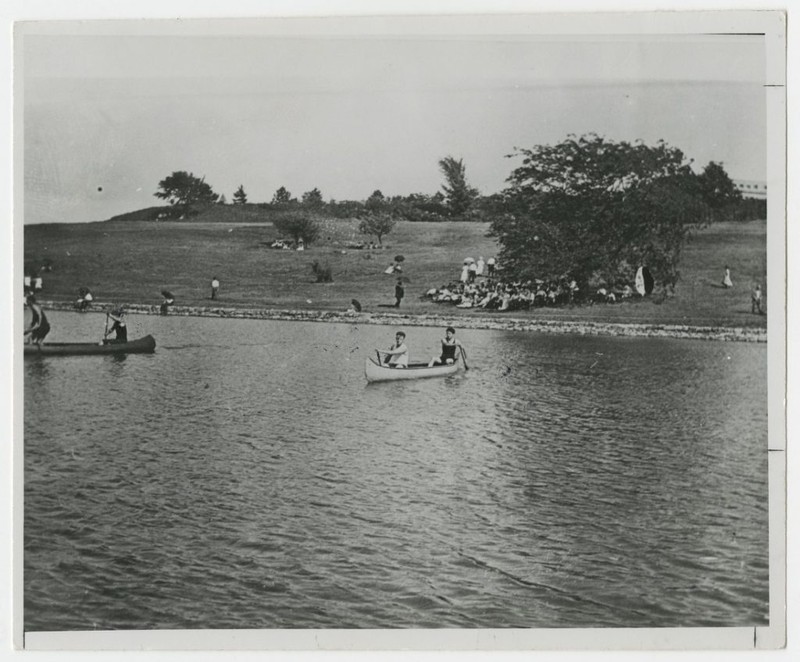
point(130, 262)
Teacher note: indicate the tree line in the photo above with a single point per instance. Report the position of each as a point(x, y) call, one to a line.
point(584, 209)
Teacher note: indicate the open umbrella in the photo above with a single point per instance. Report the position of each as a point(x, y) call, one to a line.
point(167, 294)
point(399, 258)
point(356, 305)
point(468, 260)
point(404, 279)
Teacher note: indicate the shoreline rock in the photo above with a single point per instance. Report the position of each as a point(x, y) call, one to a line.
point(642, 330)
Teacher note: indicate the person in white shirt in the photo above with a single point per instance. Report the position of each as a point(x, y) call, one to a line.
point(398, 353)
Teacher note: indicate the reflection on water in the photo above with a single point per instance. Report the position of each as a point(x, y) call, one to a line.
point(245, 475)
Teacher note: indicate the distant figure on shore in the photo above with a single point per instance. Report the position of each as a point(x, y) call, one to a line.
point(85, 299)
point(39, 326)
point(490, 265)
point(169, 299)
point(214, 287)
point(756, 300)
point(118, 328)
point(449, 347)
point(397, 354)
point(399, 292)
point(726, 279)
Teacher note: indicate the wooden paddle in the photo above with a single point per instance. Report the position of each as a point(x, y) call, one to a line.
point(464, 358)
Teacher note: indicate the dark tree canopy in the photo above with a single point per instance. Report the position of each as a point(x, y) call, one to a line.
point(459, 195)
point(377, 224)
point(716, 187)
point(313, 198)
point(298, 225)
point(239, 196)
point(184, 189)
point(377, 202)
point(281, 197)
point(593, 209)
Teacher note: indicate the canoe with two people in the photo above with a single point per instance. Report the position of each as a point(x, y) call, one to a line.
point(386, 368)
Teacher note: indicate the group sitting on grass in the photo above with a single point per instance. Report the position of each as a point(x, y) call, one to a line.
point(519, 295)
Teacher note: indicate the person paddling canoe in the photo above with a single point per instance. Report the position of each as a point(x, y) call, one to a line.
point(118, 328)
point(397, 354)
point(450, 347)
point(40, 326)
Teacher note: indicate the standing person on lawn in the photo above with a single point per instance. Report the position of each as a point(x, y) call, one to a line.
point(399, 292)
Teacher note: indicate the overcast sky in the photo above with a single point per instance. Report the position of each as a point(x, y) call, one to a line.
point(107, 117)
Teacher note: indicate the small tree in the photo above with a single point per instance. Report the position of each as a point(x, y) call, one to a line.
point(182, 190)
point(458, 194)
point(240, 197)
point(298, 225)
point(313, 198)
point(281, 197)
point(377, 224)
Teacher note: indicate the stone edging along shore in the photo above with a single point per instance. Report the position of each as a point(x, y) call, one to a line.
point(505, 323)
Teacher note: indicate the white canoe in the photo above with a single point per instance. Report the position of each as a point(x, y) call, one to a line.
point(380, 373)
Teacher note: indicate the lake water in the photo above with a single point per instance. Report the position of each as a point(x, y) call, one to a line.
point(246, 476)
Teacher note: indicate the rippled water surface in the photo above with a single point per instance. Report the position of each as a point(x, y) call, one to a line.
point(246, 476)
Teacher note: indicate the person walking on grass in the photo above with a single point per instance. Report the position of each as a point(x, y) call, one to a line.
point(169, 299)
point(756, 300)
point(726, 279)
point(214, 287)
point(399, 292)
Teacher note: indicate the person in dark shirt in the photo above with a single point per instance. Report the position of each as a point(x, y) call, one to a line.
point(118, 328)
point(39, 326)
point(450, 347)
point(399, 292)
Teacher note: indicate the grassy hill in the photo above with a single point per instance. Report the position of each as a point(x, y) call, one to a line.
point(127, 260)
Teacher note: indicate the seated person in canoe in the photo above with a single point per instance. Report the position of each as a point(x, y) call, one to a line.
point(118, 328)
point(450, 347)
point(39, 326)
point(397, 355)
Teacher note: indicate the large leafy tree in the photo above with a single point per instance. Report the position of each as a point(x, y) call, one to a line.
point(589, 208)
point(377, 224)
point(183, 190)
point(298, 225)
point(459, 195)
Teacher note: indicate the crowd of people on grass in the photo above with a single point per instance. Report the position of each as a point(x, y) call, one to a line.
point(491, 294)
